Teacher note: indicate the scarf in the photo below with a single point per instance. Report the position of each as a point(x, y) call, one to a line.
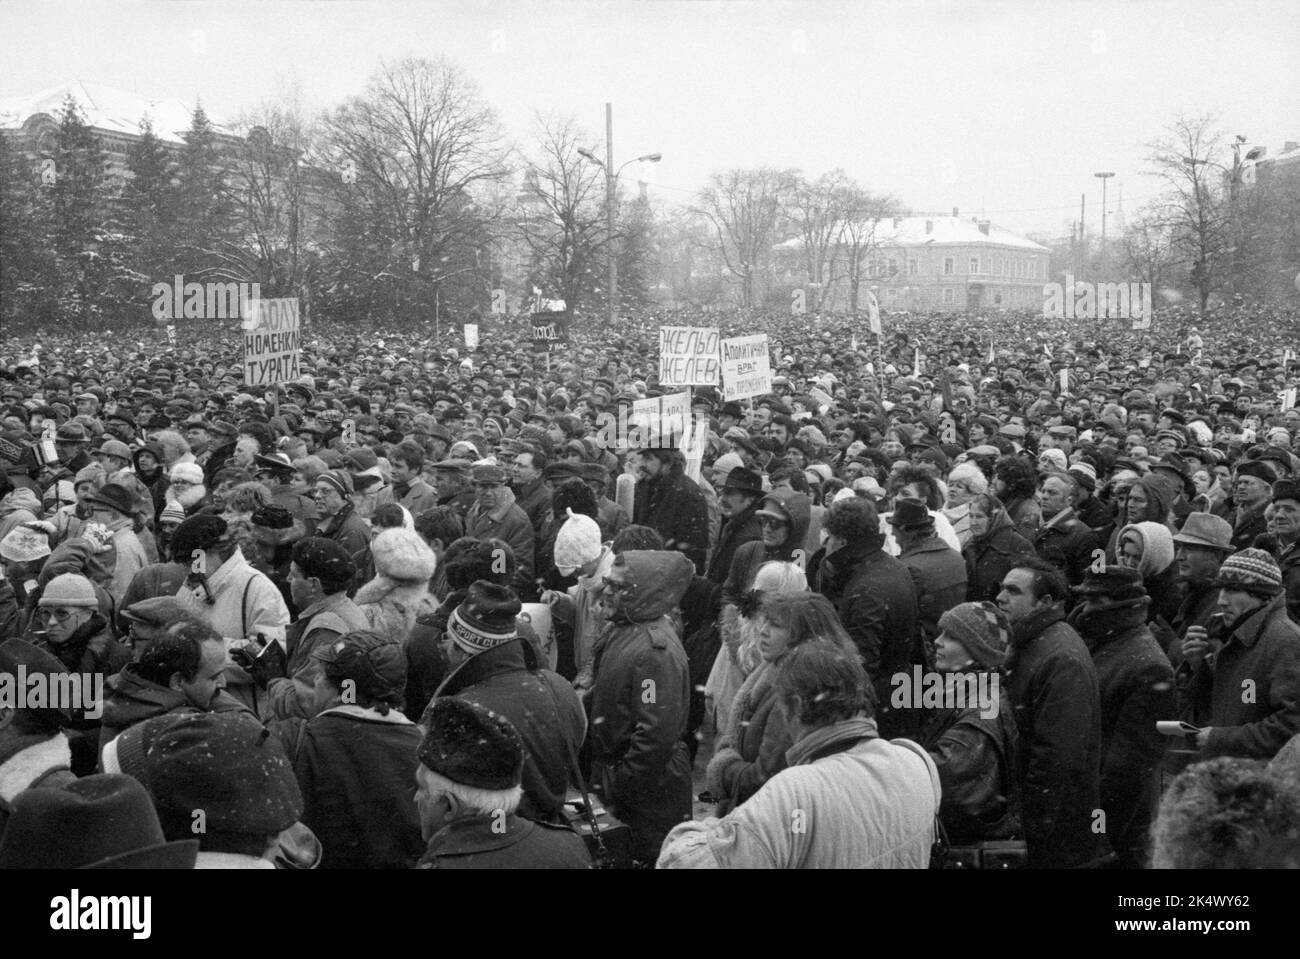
point(822, 740)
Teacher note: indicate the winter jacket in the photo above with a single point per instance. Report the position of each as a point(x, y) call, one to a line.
point(545, 710)
point(1093, 513)
point(246, 603)
point(11, 611)
point(673, 505)
point(318, 625)
point(131, 699)
point(639, 703)
point(1066, 543)
point(860, 802)
point(736, 531)
point(391, 608)
point(1261, 655)
point(347, 529)
point(611, 517)
point(129, 559)
point(1158, 569)
point(156, 482)
point(990, 557)
point(511, 525)
point(1246, 525)
point(1136, 685)
point(535, 500)
point(875, 597)
point(750, 557)
point(752, 748)
point(975, 755)
point(1053, 689)
point(484, 843)
point(356, 768)
point(582, 607)
point(939, 573)
point(1288, 557)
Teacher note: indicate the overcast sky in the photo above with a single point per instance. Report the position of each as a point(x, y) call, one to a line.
point(1000, 108)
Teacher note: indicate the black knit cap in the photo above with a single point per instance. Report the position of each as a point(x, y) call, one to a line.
point(471, 745)
point(272, 517)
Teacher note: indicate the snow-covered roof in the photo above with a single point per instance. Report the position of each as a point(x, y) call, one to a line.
point(911, 231)
point(107, 108)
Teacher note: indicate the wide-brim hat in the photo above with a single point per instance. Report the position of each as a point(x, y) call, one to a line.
point(743, 480)
point(115, 497)
point(1207, 530)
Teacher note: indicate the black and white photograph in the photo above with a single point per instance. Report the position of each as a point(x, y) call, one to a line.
point(649, 436)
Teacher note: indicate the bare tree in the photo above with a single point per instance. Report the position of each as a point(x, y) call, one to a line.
point(859, 238)
point(562, 220)
point(1148, 246)
point(414, 155)
point(1195, 206)
point(818, 213)
point(745, 208)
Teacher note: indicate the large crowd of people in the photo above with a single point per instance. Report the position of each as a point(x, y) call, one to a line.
point(981, 592)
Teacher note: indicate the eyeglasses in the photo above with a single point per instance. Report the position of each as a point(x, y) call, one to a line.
point(770, 522)
point(614, 586)
point(56, 614)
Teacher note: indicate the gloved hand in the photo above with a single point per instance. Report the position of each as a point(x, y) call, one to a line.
point(267, 665)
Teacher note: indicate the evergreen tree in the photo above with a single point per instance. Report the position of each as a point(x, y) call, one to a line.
point(204, 210)
point(148, 211)
point(27, 268)
point(76, 211)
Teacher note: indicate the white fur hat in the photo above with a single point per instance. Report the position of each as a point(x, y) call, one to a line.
point(187, 473)
point(577, 543)
point(402, 555)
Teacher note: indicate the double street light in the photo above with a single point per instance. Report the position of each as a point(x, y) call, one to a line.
point(611, 186)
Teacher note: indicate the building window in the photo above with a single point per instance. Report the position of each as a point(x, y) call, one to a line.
point(948, 266)
point(947, 296)
point(911, 267)
point(893, 265)
point(974, 264)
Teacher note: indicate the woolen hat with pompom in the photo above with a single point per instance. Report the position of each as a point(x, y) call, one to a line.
point(485, 618)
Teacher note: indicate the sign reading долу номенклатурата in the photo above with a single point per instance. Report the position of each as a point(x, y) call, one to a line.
point(271, 342)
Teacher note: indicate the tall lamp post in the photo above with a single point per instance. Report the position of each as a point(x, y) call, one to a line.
point(1103, 177)
point(611, 186)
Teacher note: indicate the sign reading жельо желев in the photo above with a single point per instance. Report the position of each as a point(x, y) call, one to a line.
point(271, 342)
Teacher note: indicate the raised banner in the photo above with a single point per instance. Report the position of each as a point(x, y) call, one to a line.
point(471, 336)
point(271, 342)
point(550, 331)
point(746, 367)
point(688, 356)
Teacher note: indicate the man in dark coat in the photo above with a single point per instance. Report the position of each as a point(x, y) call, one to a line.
point(937, 569)
point(495, 515)
point(356, 757)
point(1063, 540)
point(739, 498)
point(1252, 489)
point(1136, 685)
point(471, 766)
point(1053, 689)
point(1240, 679)
point(640, 697)
point(496, 669)
point(875, 598)
point(671, 504)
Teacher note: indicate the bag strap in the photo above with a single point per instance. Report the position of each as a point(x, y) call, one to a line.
point(940, 846)
point(243, 605)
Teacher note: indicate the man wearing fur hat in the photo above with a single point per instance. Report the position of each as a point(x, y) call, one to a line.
point(468, 793)
point(1240, 678)
point(1136, 684)
point(1252, 488)
point(493, 667)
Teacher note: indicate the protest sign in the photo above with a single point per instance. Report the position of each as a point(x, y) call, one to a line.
point(550, 331)
point(688, 356)
point(271, 342)
point(746, 367)
point(873, 312)
point(471, 336)
point(674, 419)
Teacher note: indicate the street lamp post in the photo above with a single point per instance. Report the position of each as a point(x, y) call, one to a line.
point(611, 187)
point(1103, 177)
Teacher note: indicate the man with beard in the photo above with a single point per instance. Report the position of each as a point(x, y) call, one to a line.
point(1053, 689)
point(120, 425)
point(1200, 548)
point(671, 504)
point(185, 487)
point(1135, 682)
point(1254, 647)
point(739, 501)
